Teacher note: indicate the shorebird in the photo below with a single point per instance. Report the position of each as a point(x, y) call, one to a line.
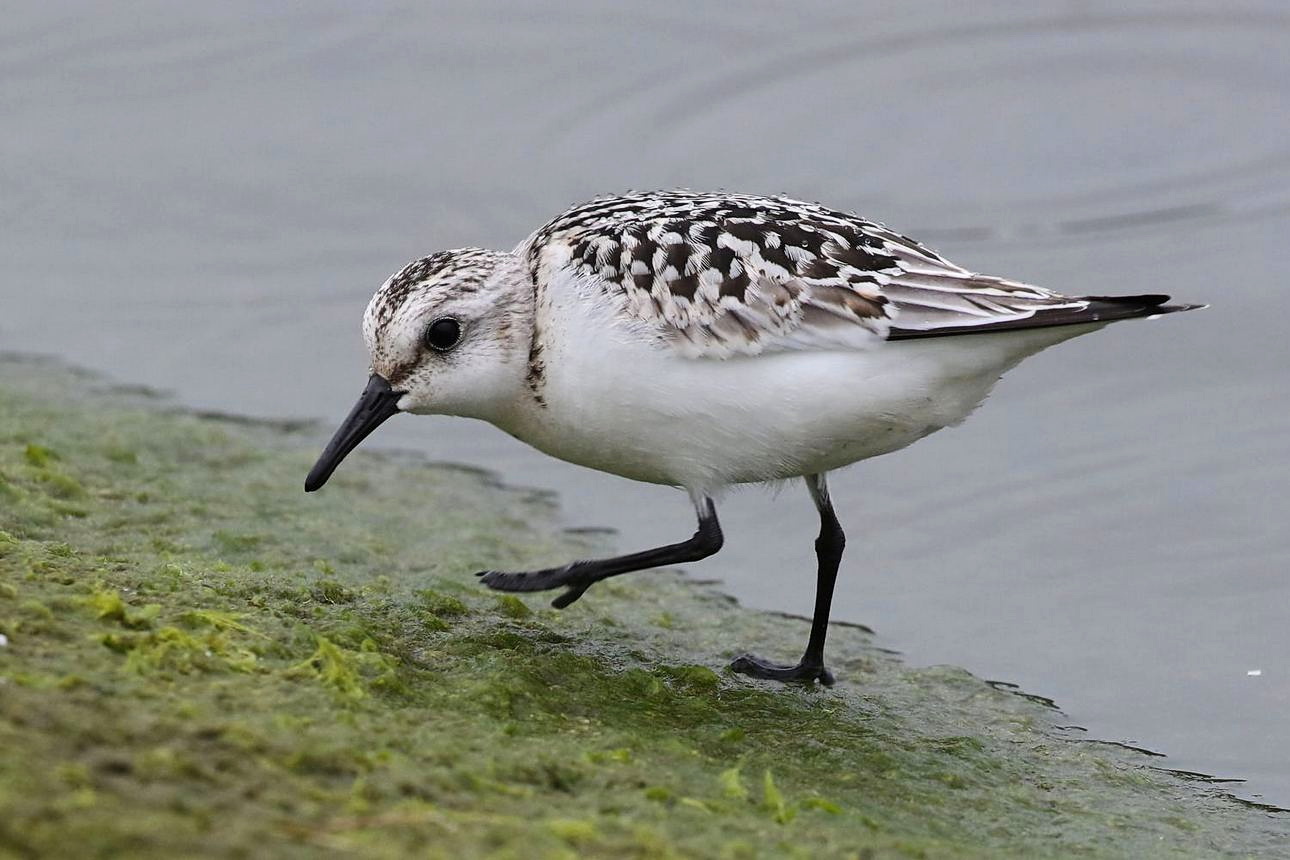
point(702, 340)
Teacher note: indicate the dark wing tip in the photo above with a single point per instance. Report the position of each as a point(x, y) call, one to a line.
point(1127, 307)
point(1098, 309)
point(1150, 300)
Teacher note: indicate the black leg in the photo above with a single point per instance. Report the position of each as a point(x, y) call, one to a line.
point(828, 552)
point(578, 576)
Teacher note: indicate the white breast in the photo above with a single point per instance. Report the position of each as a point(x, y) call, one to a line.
point(618, 401)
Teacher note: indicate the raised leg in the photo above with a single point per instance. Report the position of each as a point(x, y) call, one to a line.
point(578, 576)
point(828, 553)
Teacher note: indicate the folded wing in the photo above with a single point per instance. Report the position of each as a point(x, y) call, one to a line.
point(717, 275)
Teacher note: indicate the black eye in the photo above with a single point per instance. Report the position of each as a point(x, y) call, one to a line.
point(443, 334)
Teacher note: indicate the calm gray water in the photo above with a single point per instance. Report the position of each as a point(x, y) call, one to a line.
point(202, 197)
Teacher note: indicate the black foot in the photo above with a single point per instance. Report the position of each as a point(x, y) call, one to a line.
point(540, 580)
point(757, 668)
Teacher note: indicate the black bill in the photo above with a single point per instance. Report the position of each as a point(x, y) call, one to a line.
point(377, 403)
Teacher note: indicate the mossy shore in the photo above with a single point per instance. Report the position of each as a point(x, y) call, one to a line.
point(200, 660)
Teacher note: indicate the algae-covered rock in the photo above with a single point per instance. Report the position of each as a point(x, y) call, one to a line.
point(199, 659)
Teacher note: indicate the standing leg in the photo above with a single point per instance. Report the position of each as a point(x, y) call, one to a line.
point(578, 576)
point(828, 553)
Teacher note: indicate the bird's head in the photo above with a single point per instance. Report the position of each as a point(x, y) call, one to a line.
point(448, 334)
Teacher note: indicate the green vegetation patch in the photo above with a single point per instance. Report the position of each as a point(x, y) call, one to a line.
point(198, 658)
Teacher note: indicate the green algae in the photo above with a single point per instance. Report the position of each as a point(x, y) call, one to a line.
point(200, 659)
point(512, 607)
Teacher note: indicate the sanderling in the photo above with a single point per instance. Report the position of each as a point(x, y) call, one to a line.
point(703, 340)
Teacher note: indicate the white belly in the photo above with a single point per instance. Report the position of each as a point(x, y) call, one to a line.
point(631, 408)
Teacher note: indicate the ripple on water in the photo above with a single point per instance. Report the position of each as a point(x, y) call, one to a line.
point(1118, 123)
